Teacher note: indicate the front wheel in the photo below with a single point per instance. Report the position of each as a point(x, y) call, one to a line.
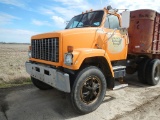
point(88, 90)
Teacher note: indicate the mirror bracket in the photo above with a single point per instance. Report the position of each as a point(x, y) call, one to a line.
point(123, 31)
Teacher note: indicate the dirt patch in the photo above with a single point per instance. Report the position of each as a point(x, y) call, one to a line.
point(3, 103)
point(4, 106)
point(143, 111)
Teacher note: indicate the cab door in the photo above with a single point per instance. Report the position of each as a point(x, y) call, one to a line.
point(115, 44)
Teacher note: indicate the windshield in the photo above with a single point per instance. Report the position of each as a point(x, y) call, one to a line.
point(91, 19)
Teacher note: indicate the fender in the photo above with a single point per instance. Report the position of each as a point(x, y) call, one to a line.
point(79, 55)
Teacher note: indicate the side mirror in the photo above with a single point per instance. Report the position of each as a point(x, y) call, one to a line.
point(125, 19)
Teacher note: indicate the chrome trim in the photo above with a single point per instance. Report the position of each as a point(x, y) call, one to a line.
point(46, 49)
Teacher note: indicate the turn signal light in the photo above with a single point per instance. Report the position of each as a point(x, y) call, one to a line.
point(70, 49)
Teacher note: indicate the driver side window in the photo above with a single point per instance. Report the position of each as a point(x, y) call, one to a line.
point(112, 22)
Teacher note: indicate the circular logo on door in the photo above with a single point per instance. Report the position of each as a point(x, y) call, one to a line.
point(115, 44)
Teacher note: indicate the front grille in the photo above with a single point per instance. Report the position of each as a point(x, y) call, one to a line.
point(46, 49)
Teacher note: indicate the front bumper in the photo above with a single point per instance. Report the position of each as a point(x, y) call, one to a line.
point(50, 76)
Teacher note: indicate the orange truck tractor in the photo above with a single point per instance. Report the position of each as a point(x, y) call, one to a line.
point(96, 48)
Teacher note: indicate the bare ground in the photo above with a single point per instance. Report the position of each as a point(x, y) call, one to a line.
point(138, 101)
point(147, 111)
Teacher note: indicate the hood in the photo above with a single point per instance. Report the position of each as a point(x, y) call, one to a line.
point(77, 37)
point(66, 32)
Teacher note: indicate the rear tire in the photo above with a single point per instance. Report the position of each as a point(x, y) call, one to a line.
point(88, 90)
point(41, 85)
point(142, 70)
point(153, 72)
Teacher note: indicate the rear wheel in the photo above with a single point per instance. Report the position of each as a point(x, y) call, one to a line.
point(142, 70)
point(88, 90)
point(153, 72)
point(41, 85)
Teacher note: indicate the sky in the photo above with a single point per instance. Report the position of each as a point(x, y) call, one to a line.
point(20, 19)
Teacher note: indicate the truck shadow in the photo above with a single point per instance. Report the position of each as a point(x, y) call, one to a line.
point(133, 81)
point(108, 98)
point(59, 104)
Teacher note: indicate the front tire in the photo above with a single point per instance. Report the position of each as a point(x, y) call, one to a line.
point(41, 85)
point(88, 90)
point(153, 72)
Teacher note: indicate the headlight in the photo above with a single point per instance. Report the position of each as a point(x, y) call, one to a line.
point(68, 58)
point(29, 54)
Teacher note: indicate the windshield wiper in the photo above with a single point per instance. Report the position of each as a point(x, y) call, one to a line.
point(83, 26)
point(90, 25)
point(86, 25)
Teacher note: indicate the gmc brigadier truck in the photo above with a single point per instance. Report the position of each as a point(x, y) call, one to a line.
point(96, 48)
